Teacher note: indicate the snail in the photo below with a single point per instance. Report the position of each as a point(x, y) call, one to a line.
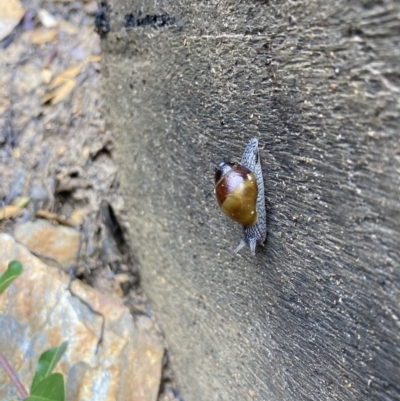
point(239, 189)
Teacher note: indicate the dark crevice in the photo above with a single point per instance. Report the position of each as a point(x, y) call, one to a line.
point(102, 152)
point(102, 19)
point(111, 222)
point(167, 383)
point(354, 31)
point(63, 196)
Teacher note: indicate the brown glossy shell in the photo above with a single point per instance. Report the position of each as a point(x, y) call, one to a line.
point(236, 193)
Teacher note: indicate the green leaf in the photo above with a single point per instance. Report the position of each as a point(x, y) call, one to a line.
point(47, 361)
point(51, 388)
point(13, 271)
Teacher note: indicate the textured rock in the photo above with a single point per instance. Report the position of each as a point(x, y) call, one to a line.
point(314, 316)
point(38, 312)
point(53, 241)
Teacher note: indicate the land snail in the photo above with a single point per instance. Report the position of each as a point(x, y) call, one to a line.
point(239, 189)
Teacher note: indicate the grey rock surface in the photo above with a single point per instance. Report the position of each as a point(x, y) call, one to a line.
point(315, 315)
point(38, 312)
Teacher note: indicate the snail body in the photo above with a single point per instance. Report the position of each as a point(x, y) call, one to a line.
point(239, 189)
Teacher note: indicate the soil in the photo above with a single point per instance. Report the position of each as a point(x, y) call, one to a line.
point(56, 150)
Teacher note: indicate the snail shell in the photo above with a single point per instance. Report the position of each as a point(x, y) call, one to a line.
point(236, 190)
point(239, 189)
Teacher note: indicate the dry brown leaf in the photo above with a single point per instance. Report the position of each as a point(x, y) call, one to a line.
point(76, 217)
point(62, 84)
point(47, 97)
point(94, 58)
point(21, 201)
point(41, 36)
point(10, 15)
point(62, 92)
point(66, 75)
point(59, 94)
point(9, 212)
point(45, 214)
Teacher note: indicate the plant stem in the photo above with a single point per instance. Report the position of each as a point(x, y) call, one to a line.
point(13, 376)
